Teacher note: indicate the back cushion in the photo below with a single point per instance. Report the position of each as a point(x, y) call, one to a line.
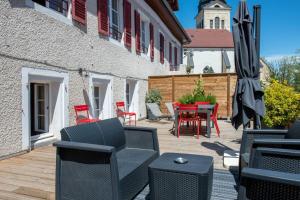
point(113, 133)
point(84, 133)
point(294, 131)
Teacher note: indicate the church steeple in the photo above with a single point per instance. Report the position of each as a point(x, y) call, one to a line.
point(204, 2)
point(213, 14)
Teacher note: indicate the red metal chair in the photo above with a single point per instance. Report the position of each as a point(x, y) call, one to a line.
point(121, 112)
point(214, 118)
point(188, 113)
point(81, 119)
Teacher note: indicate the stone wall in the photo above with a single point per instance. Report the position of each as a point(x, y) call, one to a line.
point(30, 38)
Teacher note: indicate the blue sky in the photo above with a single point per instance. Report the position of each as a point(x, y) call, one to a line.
point(280, 24)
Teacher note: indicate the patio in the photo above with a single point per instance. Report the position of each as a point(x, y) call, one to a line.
point(31, 176)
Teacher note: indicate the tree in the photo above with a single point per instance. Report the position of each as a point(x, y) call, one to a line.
point(208, 70)
point(286, 71)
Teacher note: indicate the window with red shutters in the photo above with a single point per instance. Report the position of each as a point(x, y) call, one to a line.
point(127, 23)
point(103, 19)
point(137, 21)
point(151, 42)
point(170, 53)
point(79, 11)
point(162, 48)
point(175, 57)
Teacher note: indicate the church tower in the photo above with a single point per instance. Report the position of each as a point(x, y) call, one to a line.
point(213, 14)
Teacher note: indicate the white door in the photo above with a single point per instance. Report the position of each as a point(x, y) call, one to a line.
point(41, 108)
point(132, 96)
point(102, 100)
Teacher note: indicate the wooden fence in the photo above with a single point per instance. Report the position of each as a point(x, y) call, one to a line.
point(172, 87)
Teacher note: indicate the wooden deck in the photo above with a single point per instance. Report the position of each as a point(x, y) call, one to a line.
point(32, 176)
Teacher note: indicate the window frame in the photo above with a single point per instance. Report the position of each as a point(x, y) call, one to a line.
point(115, 31)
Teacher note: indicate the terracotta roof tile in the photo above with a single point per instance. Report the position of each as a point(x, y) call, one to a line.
point(209, 38)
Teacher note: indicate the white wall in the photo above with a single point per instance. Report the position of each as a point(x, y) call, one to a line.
point(213, 58)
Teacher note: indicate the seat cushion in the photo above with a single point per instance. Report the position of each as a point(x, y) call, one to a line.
point(113, 133)
point(133, 170)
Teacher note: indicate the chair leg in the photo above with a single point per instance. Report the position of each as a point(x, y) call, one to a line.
point(198, 129)
point(178, 129)
point(215, 121)
point(135, 120)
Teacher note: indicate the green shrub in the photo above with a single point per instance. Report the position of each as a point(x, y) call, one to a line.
point(153, 96)
point(211, 99)
point(200, 98)
point(198, 90)
point(187, 99)
point(282, 105)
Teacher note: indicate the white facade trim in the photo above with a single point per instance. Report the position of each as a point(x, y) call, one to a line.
point(94, 78)
point(52, 13)
point(41, 75)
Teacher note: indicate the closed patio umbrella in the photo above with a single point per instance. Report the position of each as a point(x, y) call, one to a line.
point(190, 61)
point(248, 98)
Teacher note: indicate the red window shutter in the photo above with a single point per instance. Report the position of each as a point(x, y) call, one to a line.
point(79, 11)
point(103, 20)
point(137, 22)
point(127, 24)
point(162, 49)
point(151, 42)
point(175, 56)
point(170, 53)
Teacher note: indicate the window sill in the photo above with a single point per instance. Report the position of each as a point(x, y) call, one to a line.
point(47, 11)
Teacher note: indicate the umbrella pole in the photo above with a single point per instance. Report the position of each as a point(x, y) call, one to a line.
point(257, 26)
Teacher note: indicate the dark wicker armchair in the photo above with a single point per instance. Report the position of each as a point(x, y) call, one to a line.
point(104, 160)
point(272, 174)
point(251, 139)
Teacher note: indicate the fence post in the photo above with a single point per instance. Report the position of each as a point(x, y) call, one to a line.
point(228, 95)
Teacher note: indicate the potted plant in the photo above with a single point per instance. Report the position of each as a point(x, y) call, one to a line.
point(282, 105)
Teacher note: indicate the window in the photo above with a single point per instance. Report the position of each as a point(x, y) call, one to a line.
point(114, 20)
point(217, 23)
point(223, 24)
point(211, 24)
point(143, 34)
point(60, 6)
point(162, 48)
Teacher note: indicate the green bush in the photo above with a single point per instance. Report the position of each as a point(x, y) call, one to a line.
point(282, 105)
point(153, 96)
point(198, 95)
point(198, 90)
point(187, 99)
point(211, 99)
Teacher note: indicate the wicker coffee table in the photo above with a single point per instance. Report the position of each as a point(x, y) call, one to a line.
point(172, 181)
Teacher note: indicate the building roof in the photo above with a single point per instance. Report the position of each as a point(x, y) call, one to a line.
point(209, 38)
point(165, 12)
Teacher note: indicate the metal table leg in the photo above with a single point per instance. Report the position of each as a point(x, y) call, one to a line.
point(208, 128)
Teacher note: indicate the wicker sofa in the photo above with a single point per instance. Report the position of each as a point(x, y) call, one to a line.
point(104, 160)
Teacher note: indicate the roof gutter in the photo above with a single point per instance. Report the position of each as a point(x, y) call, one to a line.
point(167, 6)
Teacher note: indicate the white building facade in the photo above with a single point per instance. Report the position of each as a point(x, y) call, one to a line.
point(212, 42)
point(55, 54)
